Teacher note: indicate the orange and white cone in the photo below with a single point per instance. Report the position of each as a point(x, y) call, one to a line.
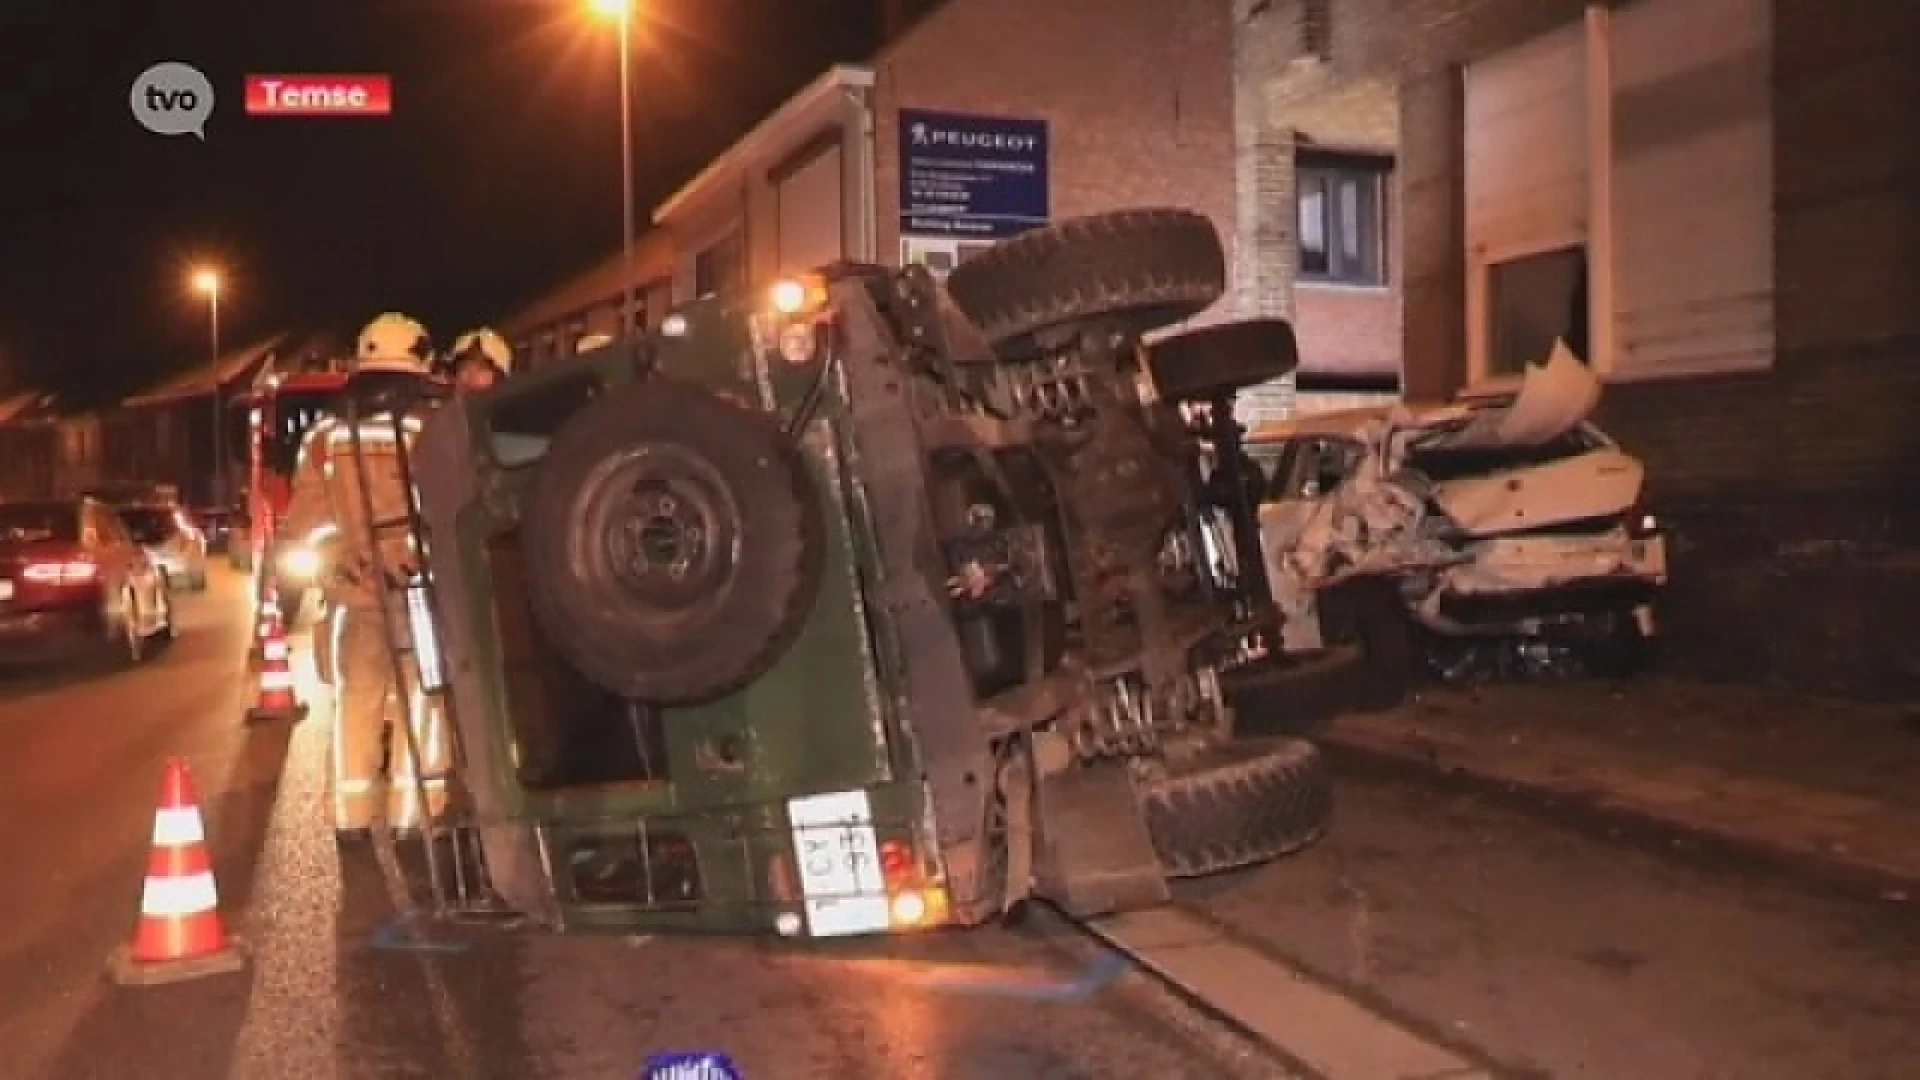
point(266, 617)
point(275, 698)
point(180, 934)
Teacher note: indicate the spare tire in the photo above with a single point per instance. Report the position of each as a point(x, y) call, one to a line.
point(674, 543)
point(1150, 268)
point(1214, 360)
point(1238, 804)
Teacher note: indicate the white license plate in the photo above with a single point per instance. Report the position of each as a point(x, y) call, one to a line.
point(839, 858)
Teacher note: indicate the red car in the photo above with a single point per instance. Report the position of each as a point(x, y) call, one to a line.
point(74, 583)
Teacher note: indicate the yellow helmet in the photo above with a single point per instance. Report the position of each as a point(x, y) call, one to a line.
point(488, 344)
point(394, 342)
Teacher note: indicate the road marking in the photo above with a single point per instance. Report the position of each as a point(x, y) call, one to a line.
point(1021, 985)
point(1333, 1035)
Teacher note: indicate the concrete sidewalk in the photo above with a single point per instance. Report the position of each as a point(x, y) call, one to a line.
point(1822, 785)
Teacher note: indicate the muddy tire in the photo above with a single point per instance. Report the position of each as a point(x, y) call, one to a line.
point(1146, 268)
point(1238, 804)
point(674, 542)
point(1295, 695)
point(1215, 360)
point(1369, 615)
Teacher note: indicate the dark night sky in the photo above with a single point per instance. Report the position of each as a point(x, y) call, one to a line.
point(497, 174)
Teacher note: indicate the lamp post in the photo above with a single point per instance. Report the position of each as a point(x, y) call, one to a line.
point(207, 281)
point(621, 12)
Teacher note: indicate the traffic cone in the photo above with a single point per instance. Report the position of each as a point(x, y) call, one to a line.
point(276, 699)
point(266, 617)
point(180, 934)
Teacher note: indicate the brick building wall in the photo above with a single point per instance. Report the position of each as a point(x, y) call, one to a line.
point(1138, 96)
point(1790, 491)
point(1291, 105)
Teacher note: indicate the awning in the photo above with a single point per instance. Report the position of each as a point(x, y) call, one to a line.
point(200, 381)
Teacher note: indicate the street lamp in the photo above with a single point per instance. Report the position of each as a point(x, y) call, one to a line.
point(621, 12)
point(207, 281)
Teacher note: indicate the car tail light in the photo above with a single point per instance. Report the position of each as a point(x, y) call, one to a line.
point(71, 572)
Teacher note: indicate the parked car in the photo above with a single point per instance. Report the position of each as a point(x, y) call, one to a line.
point(218, 524)
point(73, 581)
point(172, 540)
point(1514, 520)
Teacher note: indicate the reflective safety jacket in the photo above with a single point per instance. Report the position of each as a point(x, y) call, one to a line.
point(328, 511)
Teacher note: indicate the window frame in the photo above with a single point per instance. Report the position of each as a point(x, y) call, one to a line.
point(733, 244)
point(1372, 171)
point(1481, 310)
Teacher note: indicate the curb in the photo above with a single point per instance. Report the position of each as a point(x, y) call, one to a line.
point(1607, 813)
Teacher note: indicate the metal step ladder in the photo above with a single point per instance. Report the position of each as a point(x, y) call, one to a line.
point(450, 849)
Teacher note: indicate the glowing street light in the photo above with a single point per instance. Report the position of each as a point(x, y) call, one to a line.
point(622, 12)
point(207, 281)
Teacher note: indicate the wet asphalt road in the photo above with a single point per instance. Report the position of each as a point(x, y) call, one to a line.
point(81, 754)
point(1506, 933)
point(324, 995)
point(1565, 952)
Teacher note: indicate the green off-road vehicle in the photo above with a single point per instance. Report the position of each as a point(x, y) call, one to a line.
point(870, 605)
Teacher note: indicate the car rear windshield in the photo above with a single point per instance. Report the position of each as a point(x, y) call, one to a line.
point(149, 525)
point(38, 523)
point(1441, 466)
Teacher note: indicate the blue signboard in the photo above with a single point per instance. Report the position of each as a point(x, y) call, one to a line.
point(971, 176)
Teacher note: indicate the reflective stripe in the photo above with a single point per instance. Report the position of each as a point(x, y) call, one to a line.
point(341, 782)
point(405, 783)
point(352, 787)
point(178, 828)
point(174, 897)
point(276, 680)
point(274, 649)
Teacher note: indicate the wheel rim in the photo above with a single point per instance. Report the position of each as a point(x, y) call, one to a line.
point(662, 528)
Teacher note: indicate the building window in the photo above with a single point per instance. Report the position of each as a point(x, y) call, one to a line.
point(1342, 217)
point(1532, 301)
point(1316, 28)
point(720, 269)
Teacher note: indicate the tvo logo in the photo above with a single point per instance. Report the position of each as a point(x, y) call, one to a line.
point(172, 99)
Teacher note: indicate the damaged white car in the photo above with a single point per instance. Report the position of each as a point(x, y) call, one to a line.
point(1516, 520)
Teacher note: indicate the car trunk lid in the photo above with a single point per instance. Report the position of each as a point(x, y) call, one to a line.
point(1531, 464)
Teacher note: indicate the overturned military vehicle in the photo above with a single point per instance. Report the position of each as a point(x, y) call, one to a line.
point(871, 605)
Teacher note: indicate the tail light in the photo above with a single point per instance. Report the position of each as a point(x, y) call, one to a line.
point(915, 898)
point(71, 572)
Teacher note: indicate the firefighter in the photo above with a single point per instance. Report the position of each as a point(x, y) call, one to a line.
point(479, 359)
point(370, 760)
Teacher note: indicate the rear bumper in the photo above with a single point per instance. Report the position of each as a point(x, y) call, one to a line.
point(1529, 579)
point(45, 636)
point(1595, 596)
point(179, 567)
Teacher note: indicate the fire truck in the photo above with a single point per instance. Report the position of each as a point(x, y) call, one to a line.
point(280, 409)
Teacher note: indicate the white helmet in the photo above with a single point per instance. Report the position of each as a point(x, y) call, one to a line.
point(489, 345)
point(394, 342)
